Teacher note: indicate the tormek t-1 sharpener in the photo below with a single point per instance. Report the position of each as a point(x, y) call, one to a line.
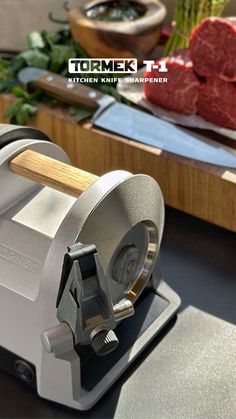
point(81, 293)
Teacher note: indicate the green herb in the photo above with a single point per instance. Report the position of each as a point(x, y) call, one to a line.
point(188, 14)
point(50, 52)
point(35, 58)
point(59, 55)
point(35, 40)
point(80, 113)
point(7, 76)
point(21, 110)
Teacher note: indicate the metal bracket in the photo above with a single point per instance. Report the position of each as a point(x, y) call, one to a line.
point(84, 301)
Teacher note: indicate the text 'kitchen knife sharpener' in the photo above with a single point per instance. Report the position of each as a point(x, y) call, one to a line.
point(76, 252)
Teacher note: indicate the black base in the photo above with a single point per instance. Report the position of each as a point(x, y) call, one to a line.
point(153, 310)
point(17, 367)
point(94, 367)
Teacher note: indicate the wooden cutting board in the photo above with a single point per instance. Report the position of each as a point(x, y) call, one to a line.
point(203, 190)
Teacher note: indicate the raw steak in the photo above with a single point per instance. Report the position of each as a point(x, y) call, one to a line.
point(217, 102)
point(213, 48)
point(180, 93)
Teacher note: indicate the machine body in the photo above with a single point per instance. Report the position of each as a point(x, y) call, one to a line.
point(81, 293)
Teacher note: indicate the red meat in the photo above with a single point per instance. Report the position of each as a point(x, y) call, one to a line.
point(213, 48)
point(180, 93)
point(217, 102)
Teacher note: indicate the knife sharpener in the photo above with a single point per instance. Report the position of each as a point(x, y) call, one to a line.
point(81, 293)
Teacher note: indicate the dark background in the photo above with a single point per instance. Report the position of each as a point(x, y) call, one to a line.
point(187, 372)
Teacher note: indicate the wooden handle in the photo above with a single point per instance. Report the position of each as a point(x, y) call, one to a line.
point(72, 93)
point(52, 173)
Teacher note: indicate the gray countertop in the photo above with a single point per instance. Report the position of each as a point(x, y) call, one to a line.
point(190, 370)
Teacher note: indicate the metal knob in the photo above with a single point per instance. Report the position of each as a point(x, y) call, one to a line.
point(104, 342)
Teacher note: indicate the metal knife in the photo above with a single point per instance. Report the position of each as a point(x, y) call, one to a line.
point(130, 122)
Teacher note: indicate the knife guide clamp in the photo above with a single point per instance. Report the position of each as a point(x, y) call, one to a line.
point(80, 281)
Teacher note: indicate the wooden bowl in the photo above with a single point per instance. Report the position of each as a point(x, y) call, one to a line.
point(124, 39)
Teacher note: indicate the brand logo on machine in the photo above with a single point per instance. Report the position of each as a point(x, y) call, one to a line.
point(102, 65)
point(19, 259)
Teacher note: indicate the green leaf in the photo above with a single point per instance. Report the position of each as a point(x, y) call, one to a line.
point(24, 113)
point(4, 64)
point(35, 40)
point(79, 51)
point(47, 39)
point(81, 113)
point(60, 55)
point(6, 75)
point(51, 101)
point(35, 58)
point(12, 109)
point(17, 63)
point(19, 92)
point(7, 83)
point(62, 36)
point(20, 111)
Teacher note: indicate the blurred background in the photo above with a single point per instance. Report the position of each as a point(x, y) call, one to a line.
point(19, 17)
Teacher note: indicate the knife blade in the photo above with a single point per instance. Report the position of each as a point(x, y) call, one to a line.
point(130, 122)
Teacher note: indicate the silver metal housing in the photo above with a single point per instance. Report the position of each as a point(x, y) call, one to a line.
point(37, 224)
